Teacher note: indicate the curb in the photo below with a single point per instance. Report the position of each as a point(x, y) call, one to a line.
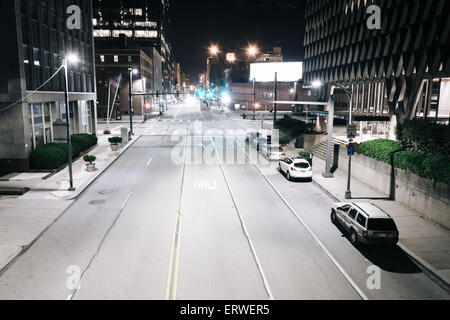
point(422, 264)
point(100, 173)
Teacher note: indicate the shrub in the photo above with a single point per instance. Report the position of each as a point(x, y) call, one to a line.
point(380, 149)
point(424, 136)
point(89, 159)
point(48, 157)
point(411, 161)
point(76, 148)
point(115, 140)
point(305, 154)
point(437, 168)
point(284, 141)
point(82, 141)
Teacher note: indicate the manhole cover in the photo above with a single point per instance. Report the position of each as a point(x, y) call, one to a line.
point(97, 202)
point(106, 192)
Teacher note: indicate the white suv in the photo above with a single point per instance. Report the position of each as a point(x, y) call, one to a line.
point(365, 223)
point(296, 168)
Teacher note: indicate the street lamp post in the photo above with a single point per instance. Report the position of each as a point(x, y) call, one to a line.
point(254, 98)
point(130, 98)
point(66, 95)
point(275, 97)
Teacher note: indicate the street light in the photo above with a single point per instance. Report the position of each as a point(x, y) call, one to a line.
point(131, 71)
point(214, 50)
point(70, 58)
point(252, 51)
point(349, 93)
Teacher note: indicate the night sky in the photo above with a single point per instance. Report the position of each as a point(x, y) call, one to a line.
point(233, 24)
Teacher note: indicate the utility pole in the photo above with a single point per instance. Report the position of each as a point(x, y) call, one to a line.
point(328, 173)
point(275, 97)
point(69, 141)
point(130, 98)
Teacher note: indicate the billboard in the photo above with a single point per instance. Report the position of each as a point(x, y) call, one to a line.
point(286, 71)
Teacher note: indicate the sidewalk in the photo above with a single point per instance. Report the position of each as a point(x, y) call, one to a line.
point(23, 219)
point(425, 242)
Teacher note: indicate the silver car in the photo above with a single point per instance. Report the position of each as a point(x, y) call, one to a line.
point(366, 223)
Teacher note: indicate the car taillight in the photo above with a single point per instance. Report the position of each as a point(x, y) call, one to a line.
point(365, 234)
point(310, 169)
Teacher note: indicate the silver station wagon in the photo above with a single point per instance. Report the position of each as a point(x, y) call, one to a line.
point(366, 223)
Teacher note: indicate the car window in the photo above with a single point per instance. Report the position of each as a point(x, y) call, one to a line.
point(346, 208)
point(288, 161)
point(352, 214)
point(302, 165)
point(381, 225)
point(361, 220)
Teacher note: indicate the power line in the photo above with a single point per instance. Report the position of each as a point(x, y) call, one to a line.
point(33, 92)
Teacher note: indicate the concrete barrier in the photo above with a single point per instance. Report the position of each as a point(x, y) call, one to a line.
point(431, 199)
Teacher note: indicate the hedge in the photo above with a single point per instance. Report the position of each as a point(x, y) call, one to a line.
point(380, 149)
point(48, 157)
point(432, 167)
point(424, 136)
point(54, 155)
point(290, 123)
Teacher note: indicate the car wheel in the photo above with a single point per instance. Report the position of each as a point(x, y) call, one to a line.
point(279, 168)
point(333, 217)
point(354, 238)
point(288, 176)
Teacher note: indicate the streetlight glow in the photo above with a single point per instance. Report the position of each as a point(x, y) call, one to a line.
point(214, 50)
point(252, 51)
point(72, 58)
point(317, 84)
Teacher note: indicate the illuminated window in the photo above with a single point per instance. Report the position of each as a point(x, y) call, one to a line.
point(146, 34)
point(102, 33)
point(116, 58)
point(102, 58)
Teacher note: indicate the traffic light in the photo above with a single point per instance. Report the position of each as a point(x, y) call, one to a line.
point(269, 139)
point(157, 94)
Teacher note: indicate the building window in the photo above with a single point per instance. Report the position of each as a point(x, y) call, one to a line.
point(116, 58)
point(102, 58)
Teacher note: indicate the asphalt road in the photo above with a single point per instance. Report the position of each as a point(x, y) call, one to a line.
point(191, 212)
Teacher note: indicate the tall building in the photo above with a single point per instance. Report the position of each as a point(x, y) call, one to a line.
point(35, 40)
point(397, 72)
point(145, 23)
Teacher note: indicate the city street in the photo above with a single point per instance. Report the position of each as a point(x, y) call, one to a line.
point(190, 212)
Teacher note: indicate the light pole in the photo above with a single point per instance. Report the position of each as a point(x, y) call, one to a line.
point(131, 71)
point(66, 60)
point(254, 98)
point(348, 192)
point(275, 97)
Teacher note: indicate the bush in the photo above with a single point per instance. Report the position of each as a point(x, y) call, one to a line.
point(89, 159)
point(284, 141)
point(437, 168)
point(76, 148)
point(411, 161)
point(424, 136)
point(48, 157)
point(82, 141)
point(305, 154)
point(380, 149)
point(115, 140)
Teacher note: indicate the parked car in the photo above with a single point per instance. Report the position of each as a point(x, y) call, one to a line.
point(365, 223)
point(296, 168)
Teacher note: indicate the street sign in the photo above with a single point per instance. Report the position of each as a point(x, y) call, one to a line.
point(351, 149)
point(351, 131)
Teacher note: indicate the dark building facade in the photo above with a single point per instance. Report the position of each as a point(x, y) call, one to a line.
point(397, 72)
point(36, 38)
point(145, 23)
point(112, 66)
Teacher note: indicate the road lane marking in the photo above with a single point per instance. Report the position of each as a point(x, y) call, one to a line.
point(316, 239)
point(172, 278)
point(149, 161)
point(244, 228)
point(116, 128)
